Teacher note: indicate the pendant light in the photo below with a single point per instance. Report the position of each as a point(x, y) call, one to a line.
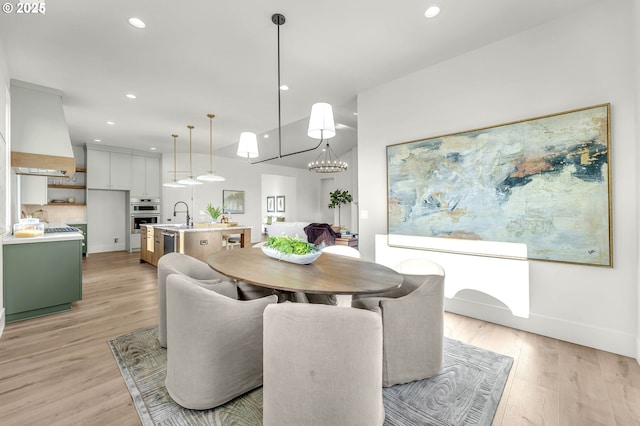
point(248, 145)
point(211, 176)
point(190, 180)
point(321, 126)
point(174, 182)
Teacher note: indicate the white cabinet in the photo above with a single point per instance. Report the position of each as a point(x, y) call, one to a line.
point(33, 189)
point(145, 176)
point(108, 170)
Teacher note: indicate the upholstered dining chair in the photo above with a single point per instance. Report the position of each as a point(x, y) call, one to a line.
point(322, 366)
point(214, 351)
point(178, 263)
point(343, 251)
point(412, 322)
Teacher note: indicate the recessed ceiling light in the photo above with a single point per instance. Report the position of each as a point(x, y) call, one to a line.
point(432, 12)
point(152, 148)
point(266, 136)
point(284, 87)
point(110, 123)
point(130, 96)
point(137, 22)
point(355, 113)
point(97, 140)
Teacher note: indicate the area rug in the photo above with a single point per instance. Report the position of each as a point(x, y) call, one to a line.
point(465, 392)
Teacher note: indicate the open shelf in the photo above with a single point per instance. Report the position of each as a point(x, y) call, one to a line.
point(67, 186)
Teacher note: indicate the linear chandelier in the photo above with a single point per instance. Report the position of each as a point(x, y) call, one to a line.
point(321, 126)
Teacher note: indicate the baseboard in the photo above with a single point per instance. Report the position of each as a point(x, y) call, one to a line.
point(107, 247)
point(2, 322)
point(582, 334)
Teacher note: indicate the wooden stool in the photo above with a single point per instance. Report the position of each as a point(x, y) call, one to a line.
point(231, 241)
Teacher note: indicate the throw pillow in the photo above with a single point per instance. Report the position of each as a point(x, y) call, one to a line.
point(280, 219)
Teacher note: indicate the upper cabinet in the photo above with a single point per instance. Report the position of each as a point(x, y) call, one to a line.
point(145, 176)
point(125, 170)
point(108, 170)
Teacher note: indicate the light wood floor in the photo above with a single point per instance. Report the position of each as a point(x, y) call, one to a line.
point(59, 370)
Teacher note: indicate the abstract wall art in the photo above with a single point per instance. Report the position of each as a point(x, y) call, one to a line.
point(544, 182)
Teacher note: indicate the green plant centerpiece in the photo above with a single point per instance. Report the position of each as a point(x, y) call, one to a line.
point(214, 212)
point(338, 198)
point(291, 249)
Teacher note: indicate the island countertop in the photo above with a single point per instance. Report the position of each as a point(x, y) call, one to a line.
point(184, 228)
point(47, 237)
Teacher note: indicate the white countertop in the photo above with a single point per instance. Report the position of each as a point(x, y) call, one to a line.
point(182, 228)
point(54, 236)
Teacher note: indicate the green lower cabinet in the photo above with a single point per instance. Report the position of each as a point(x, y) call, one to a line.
point(41, 278)
point(83, 228)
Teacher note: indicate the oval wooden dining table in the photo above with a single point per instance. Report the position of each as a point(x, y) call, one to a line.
point(329, 274)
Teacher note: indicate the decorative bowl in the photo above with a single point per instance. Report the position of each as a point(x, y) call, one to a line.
point(300, 259)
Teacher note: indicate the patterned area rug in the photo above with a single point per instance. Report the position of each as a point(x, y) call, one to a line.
point(465, 392)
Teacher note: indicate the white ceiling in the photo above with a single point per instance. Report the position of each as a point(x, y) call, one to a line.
point(198, 57)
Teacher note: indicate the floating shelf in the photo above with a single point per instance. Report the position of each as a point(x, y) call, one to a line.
point(67, 186)
point(66, 204)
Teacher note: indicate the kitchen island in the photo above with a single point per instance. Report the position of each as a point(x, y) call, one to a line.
point(42, 275)
point(198, 242)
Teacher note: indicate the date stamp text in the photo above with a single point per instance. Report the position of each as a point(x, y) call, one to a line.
point(32, 8)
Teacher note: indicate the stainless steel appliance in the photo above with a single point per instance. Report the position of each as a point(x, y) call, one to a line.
point(144, 211)
point(145, 206)
point(170, 241)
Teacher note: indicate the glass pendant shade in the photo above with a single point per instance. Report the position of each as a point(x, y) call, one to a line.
point(248, 145)
point(321, 124)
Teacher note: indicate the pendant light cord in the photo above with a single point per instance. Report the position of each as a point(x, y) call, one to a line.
point(190, 127)
point(211, 142)
point(175, 178)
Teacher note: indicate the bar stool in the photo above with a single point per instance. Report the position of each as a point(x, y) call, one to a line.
point(230, 241)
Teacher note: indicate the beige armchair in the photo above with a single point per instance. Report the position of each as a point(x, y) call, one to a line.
point(214, 351)
point(412, 321)
point(322, 366)
point(178, 263)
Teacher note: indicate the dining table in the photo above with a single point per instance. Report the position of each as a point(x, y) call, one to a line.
point(330, 274)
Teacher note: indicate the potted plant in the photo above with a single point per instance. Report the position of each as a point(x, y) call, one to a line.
point(214, 212)
point(291, 249)
point(338, 198)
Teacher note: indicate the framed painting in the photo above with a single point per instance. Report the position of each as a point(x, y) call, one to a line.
point(233, 202)
point(280, 203)
point(542, 182)
point(271, 204)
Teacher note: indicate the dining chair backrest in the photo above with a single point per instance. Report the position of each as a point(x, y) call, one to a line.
point(343, 251)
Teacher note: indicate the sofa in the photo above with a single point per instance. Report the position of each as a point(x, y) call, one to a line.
point(276, 229)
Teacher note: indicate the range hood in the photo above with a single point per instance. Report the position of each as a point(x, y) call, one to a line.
point(40, 143)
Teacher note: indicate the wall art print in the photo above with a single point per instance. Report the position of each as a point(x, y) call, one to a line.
point(544, 182)
point(233, 201)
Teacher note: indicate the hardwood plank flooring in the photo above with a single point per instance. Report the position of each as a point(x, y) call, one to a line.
point(59, 370)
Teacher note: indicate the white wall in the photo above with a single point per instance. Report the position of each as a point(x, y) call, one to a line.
point(577, 61)
point(106, 220)
point(243, 177)
point(4, 134)
point(277, 185)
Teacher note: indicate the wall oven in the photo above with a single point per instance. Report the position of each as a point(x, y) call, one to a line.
point(144, 211)
point(145, 206)
point(143, 219)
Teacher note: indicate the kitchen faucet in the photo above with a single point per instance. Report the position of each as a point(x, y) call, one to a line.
point(187, 211)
